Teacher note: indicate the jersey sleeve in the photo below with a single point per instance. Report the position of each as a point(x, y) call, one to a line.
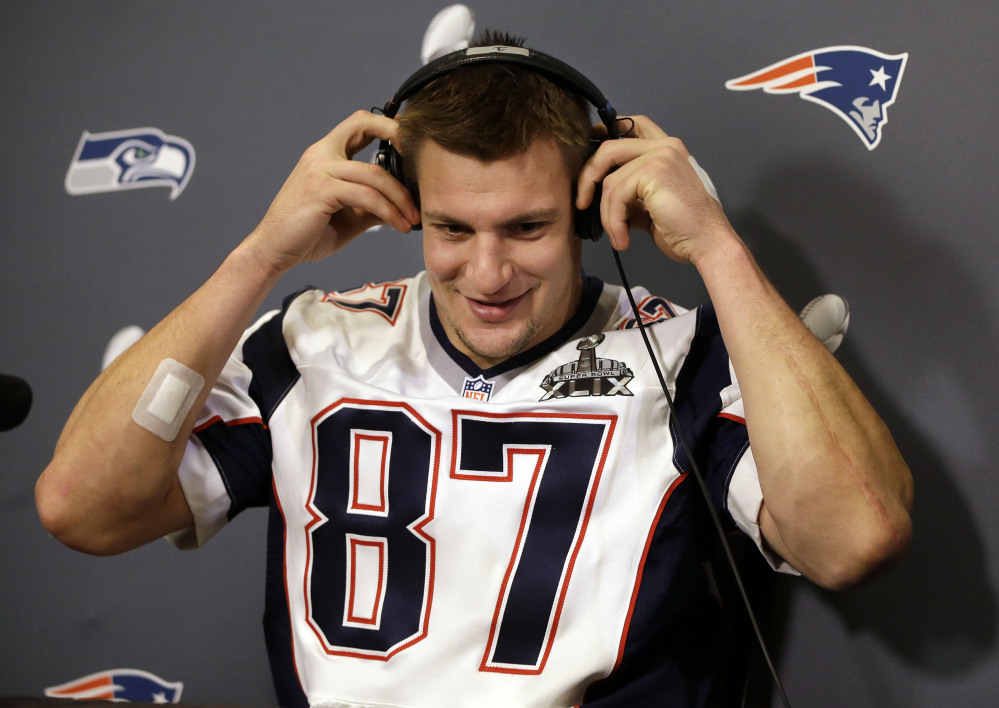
point(227, 464)
point(710, 415)
point(744, 498)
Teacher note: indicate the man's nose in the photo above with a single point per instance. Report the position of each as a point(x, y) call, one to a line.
point(490, 267)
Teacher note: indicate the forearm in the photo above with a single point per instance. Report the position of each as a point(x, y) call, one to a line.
point(112, 483)
point(836, 489)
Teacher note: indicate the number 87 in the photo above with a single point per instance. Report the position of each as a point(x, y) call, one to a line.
point(374, 490)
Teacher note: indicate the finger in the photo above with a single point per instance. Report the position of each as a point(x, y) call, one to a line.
point(382, 191)
point(355, 133)
point(611, 155)
point(646, 128)
point(377, 177)
point(361, 200)
point(391, 189)
point(632, 127)
point(375, 127)
point(614, 217)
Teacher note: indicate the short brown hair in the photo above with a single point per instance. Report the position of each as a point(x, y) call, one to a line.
point(494, 111)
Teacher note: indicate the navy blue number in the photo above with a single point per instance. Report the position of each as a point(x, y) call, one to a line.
point(400, 619)
point(569, 453)
point(554, 521)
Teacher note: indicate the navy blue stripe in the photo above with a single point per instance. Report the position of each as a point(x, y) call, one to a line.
point(277, 618)
point(243, 453)
point(718, 443)
point(670, 652)
point(265, 352)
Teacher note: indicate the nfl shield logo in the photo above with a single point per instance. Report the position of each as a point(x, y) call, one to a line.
point(477, 389)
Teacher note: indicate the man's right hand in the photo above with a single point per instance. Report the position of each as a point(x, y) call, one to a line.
point(329, 198)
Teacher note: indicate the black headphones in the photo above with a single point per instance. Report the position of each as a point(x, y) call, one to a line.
point(588, 224)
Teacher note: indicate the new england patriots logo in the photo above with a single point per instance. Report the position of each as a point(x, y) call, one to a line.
point(130, 159)
point(127, 685)
point(856, 83)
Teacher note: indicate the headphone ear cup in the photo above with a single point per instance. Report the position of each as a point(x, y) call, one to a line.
point(390, 159)
point(588, 226)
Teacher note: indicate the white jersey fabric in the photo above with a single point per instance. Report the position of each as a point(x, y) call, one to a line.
point(447, 536)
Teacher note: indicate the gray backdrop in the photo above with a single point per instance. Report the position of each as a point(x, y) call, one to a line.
point(905, 232)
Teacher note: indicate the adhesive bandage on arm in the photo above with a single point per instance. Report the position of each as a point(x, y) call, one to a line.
point(168, 399)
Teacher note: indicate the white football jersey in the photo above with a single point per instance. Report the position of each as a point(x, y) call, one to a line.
point(443, 535)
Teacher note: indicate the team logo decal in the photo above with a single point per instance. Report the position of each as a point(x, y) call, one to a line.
point(590, 375)
point(130, 159)
point(855, 83)
point(127, 685)
point(477, 389)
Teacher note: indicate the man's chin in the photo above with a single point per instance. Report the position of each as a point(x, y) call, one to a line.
point(490, 351)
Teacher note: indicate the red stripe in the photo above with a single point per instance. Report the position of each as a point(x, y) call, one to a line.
point(231, 423)
point(732, 416)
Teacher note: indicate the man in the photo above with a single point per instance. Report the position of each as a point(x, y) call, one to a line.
point(476, 492)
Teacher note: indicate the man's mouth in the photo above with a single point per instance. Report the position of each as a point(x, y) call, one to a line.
point(494, 311)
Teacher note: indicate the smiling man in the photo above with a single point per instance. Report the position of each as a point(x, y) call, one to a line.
point(502, 259)
point(475, 489)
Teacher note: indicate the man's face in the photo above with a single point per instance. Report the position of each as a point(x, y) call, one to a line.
point(501, 253)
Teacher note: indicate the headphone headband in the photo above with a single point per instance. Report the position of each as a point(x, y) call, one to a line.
point(587, 222)
point(536, 61)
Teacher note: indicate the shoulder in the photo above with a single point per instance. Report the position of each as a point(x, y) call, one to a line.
point(313, 319)
point(371, 304)
point(652, 308)
point(365, 323)
point(374, 309)
point(376, 302)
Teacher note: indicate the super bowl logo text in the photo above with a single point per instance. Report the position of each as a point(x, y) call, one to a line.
point(590, 375)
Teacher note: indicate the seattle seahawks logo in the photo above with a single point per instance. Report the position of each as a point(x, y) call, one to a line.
point(590, 375)
point(130, 159)
point(855, 83)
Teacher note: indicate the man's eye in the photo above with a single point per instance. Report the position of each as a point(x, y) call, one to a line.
point(451, 229)
point(529, 227)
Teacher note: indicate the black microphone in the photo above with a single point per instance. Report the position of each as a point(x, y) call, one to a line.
point(15, 401)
